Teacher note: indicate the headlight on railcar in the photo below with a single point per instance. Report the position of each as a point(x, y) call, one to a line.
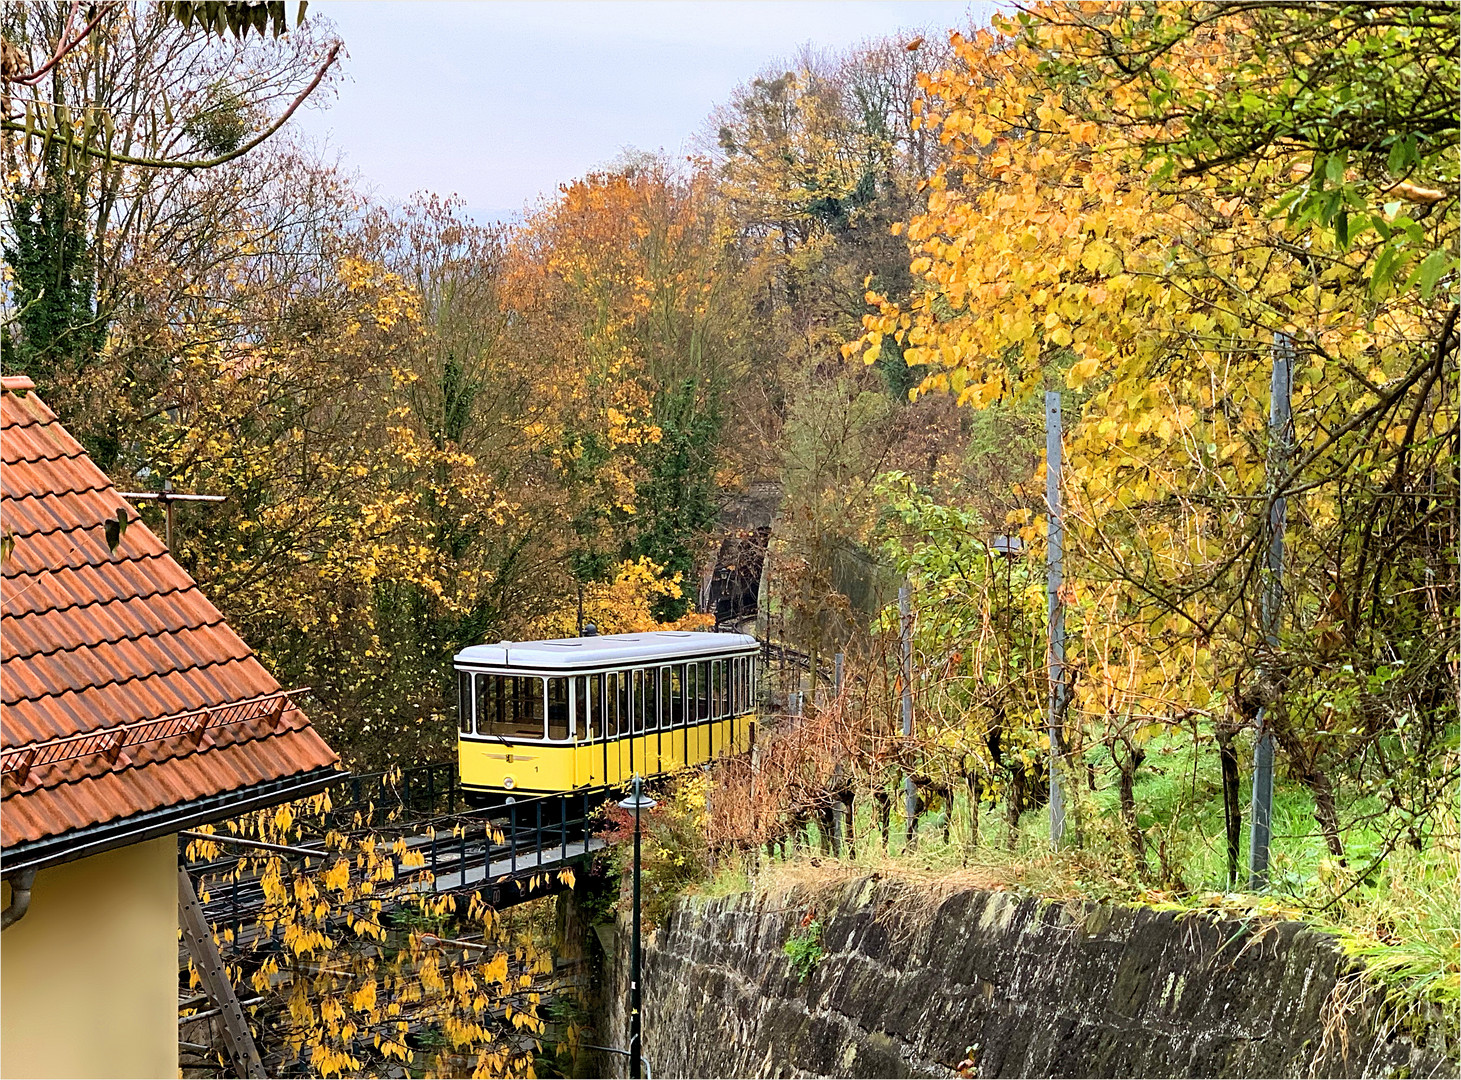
point(509, 783)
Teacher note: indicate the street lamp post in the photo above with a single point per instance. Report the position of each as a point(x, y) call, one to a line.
point(638, 802)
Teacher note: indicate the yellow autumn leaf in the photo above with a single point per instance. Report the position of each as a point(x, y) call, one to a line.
point(1081, 372)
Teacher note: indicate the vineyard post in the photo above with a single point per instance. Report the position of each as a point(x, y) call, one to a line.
point(1054, 569)
point(1280, 432)
point(910, 786)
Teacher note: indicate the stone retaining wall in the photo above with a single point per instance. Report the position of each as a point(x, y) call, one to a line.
point(913, 984)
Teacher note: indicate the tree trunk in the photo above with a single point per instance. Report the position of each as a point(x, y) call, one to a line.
point(885, 815)
point(1325, 812)
point(1303, 767)
point(946, 792)
point(1232, 807)
point(1126, 769)
point(1016, 802)
point(826, 836)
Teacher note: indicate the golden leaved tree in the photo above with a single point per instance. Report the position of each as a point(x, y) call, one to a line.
point(1069, 244)
point(626, 284)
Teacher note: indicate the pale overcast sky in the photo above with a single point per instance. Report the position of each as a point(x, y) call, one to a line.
point(500, 102)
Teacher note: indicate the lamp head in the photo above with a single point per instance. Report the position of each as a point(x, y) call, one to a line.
point(637, 799)
point(1008, 547)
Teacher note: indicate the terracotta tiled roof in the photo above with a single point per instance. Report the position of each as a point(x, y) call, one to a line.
point(94, 642)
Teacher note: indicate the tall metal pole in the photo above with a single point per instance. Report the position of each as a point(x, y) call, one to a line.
point(1054, 570)
point(910, 789)
point(636, 1051)
point(1280, 437)
point(637, 802)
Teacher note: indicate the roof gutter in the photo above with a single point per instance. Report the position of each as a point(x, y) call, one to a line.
point(20, 886)
point(164, 821)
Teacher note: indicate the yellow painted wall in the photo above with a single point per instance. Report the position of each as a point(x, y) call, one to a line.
point(89, 978)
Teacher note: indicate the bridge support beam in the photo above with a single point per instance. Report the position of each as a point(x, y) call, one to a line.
point(572, 923)
point(582, 958)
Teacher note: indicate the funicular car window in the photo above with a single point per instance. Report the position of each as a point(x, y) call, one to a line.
point(626, 703)
point(651, 699)
point(676, 694)
point(580, 708)
point(612, 704)
point(596, 706)
point(558, 709)
point(524, 709)
point(464, 702)
point(510, 706)
point(489, 702)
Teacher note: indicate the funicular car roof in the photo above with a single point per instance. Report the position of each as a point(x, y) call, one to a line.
point(603, 651)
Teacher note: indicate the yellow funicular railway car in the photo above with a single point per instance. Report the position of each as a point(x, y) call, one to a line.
point(546, 717)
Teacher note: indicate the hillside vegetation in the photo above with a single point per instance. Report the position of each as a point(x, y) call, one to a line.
point(433, 432)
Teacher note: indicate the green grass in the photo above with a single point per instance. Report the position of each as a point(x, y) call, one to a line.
point(727, 879)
